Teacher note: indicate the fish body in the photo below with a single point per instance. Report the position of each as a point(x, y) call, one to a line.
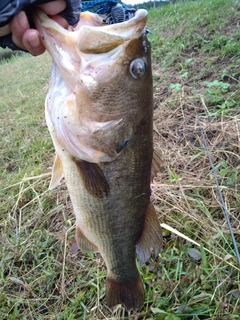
point(99, 111)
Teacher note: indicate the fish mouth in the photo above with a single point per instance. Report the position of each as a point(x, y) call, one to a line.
point(91, 46)
point(90, 35)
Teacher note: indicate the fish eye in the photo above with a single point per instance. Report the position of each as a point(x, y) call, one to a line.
point(138, 68)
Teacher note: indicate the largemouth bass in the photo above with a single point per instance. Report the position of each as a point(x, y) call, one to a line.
point(99, 111)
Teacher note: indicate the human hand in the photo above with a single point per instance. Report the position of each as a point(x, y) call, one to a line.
point(17, 34)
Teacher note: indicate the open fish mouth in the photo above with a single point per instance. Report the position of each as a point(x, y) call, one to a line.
point(91, 45)
point(90, 36)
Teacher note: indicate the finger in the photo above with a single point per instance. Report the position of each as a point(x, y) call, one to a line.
point(18, 26)
point(60, 20)
point(32, 42)
point(54, 7)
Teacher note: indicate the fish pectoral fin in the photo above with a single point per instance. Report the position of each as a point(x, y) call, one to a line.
point(93, 178)
point(129, 294)
point(157, 164)
point(151, 238)
point(83, 243)
point(57, 173)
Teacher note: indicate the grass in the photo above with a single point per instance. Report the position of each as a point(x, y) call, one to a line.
point(196, 62)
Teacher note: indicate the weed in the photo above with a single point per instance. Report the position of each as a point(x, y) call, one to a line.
point(215, 95)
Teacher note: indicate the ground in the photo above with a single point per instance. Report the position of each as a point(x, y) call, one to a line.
point(196, 63)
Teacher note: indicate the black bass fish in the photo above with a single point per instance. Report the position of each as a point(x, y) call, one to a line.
point(99, 111)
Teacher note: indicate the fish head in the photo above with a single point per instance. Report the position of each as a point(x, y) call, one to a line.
point(103, 77)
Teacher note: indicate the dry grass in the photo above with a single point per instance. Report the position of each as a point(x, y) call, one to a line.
point(186, 185)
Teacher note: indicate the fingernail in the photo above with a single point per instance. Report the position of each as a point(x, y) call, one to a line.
point(22, 19)
point(34, 41)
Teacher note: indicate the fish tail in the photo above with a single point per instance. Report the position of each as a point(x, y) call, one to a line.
point(129, 294)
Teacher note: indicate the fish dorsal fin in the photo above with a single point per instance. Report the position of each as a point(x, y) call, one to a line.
point(57, 173)
point(151, 237)
point(83, 243)
point(93, 178)
point(157, 164)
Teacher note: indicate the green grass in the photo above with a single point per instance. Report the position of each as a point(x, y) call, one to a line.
point(196, 60)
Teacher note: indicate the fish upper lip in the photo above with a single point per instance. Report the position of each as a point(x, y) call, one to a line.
point(127, 28)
